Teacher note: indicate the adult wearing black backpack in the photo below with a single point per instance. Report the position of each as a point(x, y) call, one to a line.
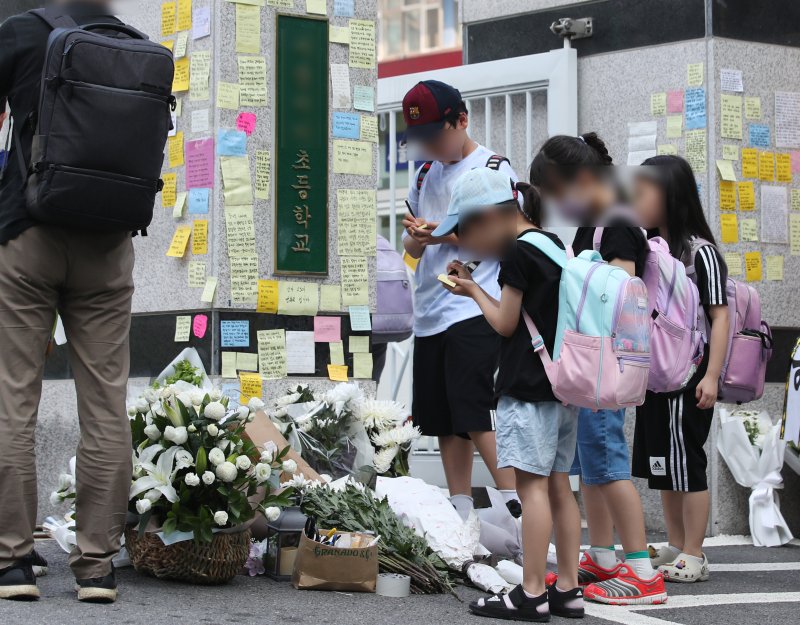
point(56, 255)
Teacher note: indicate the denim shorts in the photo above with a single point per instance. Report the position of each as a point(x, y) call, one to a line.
point(536, 437)
point(602, 454)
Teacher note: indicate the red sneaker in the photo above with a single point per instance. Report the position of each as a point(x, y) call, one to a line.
point(627, 588)
point(589, 572)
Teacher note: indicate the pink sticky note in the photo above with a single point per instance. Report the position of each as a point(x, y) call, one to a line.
point(675, 101)
point(200, 164)
point(200, 325)
point(327, 329)
point(246, 122)
point(795, 162)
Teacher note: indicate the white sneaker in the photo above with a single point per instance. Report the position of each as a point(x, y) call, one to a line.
point(686, 569)
point(662, 555)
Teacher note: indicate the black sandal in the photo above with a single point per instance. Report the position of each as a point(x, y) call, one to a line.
point(566, 603)
point(525, 608)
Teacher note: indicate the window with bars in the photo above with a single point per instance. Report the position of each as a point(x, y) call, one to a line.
point(414, 27)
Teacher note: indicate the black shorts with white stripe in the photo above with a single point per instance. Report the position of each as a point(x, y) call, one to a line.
point(669, 438)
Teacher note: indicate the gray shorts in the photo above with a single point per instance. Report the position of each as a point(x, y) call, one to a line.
point(536, 437)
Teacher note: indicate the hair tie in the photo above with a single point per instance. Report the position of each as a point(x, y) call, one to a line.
point(581, 138)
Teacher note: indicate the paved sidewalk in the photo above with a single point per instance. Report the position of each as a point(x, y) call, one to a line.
point(748, 585)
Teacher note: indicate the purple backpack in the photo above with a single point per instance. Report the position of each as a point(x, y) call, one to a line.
point(676, 337)
point(749, 340)
point(394, 317)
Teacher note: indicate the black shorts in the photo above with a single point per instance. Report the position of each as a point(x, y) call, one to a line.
point(454, 379)
point(668, 442)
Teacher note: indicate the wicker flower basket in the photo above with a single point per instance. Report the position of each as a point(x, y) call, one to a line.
point(216, 562)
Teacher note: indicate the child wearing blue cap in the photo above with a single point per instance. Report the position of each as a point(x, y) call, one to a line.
point(535, 433)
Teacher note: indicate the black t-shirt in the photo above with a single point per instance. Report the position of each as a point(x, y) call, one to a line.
point(529, 270)
point(23, 43)
point(620, 241)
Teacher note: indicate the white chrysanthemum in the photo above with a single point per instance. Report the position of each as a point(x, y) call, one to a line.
point(167, 392)
point(191, 479)
point(212, 430)
point(132, 412)
point(216, 456)
point(384, 458)
point(396, 436)
point(226, 471)
point(65, 481)
point(192, 428)
point(272, 513)
point(215, 411)
point(243, 463)
point(287, 399)
point(327, 479)
point(379, 415)
point(142, 405)
point(298, 481)
point(55, 498)
point(177, 435)
point(289, 466)
point(255, 404)
point(242, 413)
point(143, 505)
point(183, 459)
point(152, 432)
point(153, 495)
point(208, 477)
point(197, 397)
point(185, 398)
point(262, 472)
point(344, 392)
point(158, 409)
point(150, 395)
point(220, 517)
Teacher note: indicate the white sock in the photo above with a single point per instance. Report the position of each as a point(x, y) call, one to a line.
point(462, 504)
point(672, 550)
point(642, 567)
point(509, 495)
point(698, 560)
point(607, 558)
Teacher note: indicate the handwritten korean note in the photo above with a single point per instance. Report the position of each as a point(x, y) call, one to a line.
point(298, 298)
point(198, 201)
point(228, 96)
point(263, 174)
point(362, 366)
point(774, 213)
point(362, 44)
point(730, 152)
point(369, 128)
point(787, 119)
point(352, 157)
point(759, 135)
point(667, 149)
point(752, 107)
point(783, 167)
point(330, 297)
point(177, 248)
point(300, 352)
point(695, 110)
point(200, 71)
point(766, 166)
point(207, 297)
point(169, 192)
point(181, 80)
point(364, 98)
point(246, 122)
point(730, 228)
point(252, 80)
point(184, 15)
point(200, 237)
point(357, 222)
point(694, 74)
point(337, 353)
point(726, 170)
point(251, 385)
point(200, 325)
point(775, 267)
point(731, 116)
point(327, 329)
point(337, 373)
point(749, 230)
point(752, 264)
point(675, 101)
point(749, 163)
point(244, 278)
point(674, 126)
point(795, 201)
point(240, 230)
point(794, 234)
point(180, 202)
point(234, 333)
point(168, 13)
point(696, 149)
point(731, 80)
point(183, 326)
point(360, 320)
point(175, 150)
point(245, 361)
point(228, 365)
point(202, 23)
point(200, 164)
point(197, 274)
point(747, 196)
point(355, 280)
point(236, 180)
point(248, 28)
point(267, 296)
point(658, 104)
point(358, 344)
point(727, 195)
point(734, 262)
point(340, 86)
point(272, 354)
point(346, 125)
point(343, 8)
point(339, 34)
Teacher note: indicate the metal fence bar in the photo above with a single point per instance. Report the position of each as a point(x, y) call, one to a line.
point(528, 126)
point(487, 115)
point(509, 120)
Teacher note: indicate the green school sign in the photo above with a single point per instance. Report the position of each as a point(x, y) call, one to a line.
point(301, 131)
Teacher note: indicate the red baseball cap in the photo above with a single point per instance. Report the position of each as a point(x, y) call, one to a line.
point(426, 106)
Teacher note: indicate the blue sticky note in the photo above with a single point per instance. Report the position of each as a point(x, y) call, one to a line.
point(759, 135)
point(346, 125)
point(198, 201)
point(234, 333)
point(343, 8)
point(360, 320)
point(231, 142)
point(695, 108)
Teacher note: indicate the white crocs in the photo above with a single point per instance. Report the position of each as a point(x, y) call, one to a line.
point(662, 555)
point(686, 569)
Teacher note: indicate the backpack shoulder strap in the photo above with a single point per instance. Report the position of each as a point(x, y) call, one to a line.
point(495, 161)
point(694, 246)
point(423, 171)
point(54, 17)
point(547, 247)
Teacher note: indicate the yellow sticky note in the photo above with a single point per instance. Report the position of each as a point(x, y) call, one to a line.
point(200, 237)
point(183, 326)
point(752, 108)
point(228, 96)
point(199, 73)
point(730, 152)
point(674, 126)
point(727, 195)
point(207, 297)
point(726, 170)
point(298, 298)
point(330, 297)
point(658, 104)
point(358, 344)
point(362, 365)
point(184, 14)
point(180, 202)
point(263, 174)
point(339, 34)
point(168, 12)
point(177, 249)
point(731, 116)
point(169, 192)
point(369, 128)
point(228, 365)
point(246, 361)
point(267, 296)
point(694, 74)
point(752, 265)
point(695, 146)
point(250, 385)
point(730, 228)
point(248, 28)
point(337, 353)
point(355, 280)
point(175, 150)
point(794, 234)
point(197, 274)
point(749, 163)
point(352, 157)
point(357, 219)
point(667, 149)
point(783, 167)
point(252, 80)
point(169, 45)
point(182, 75)
point(734, 262)
point(766, 166)
point(749, 229)
point(795, 202)
point(317, 7)
point(236, 181)
point(272, 354)
point(338, 373)
point(362, 44)
point(774, 267)
point(747, 196)
point(180, 45)
point(244, 278)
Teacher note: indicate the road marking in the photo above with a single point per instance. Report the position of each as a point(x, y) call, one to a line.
point(722, 540)
point(756, 566)
point(623, 615)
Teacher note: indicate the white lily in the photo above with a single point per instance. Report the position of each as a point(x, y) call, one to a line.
point(159, 476)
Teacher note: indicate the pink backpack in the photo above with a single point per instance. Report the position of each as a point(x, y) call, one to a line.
point(749, 340)
point(676, 338)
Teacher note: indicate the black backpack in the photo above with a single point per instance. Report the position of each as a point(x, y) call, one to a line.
point(494, 162)
point(102, 124)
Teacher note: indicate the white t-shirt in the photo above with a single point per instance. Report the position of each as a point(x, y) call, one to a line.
point(435, 308)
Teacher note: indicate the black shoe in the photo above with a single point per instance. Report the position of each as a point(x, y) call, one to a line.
point(514, 507)
point(38, 563)
point(568, 603)
point(18, 582)
point(97, 589)
point(525, 608)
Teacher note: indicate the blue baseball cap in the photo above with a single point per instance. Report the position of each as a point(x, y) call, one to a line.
point(476, 191)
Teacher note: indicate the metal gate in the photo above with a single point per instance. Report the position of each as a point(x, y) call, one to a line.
point(514, 105)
